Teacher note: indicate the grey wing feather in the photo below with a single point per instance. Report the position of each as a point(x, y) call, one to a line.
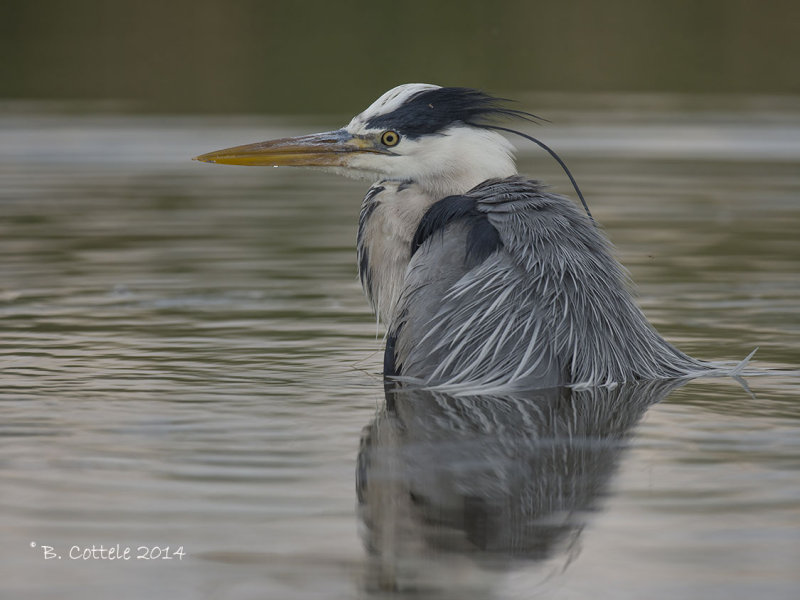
point(483, 335)
point(548, 307)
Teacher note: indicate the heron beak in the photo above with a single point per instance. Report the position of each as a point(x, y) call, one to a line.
point(329, 149)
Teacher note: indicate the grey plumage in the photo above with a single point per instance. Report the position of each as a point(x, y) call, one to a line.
point(549, 307)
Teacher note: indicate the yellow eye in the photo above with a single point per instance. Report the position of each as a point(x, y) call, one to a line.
point(390, 138)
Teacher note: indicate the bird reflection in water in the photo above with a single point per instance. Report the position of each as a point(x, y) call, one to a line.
point(452, 486)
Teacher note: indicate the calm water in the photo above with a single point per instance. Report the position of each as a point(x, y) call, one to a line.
point(187, 361)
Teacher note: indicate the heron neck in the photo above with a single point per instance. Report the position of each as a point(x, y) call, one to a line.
point(461, 182)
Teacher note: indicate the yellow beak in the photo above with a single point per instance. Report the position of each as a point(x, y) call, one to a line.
point(329, 149)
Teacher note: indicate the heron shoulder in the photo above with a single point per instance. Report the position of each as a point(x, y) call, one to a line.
point(482, 237)
point(512, 212)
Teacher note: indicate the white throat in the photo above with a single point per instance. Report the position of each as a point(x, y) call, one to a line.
point(459, 159)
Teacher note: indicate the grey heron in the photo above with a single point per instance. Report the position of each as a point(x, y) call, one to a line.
point(487, 281)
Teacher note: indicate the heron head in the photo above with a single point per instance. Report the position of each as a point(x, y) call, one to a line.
point(435, 136)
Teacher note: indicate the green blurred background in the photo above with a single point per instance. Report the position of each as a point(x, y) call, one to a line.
point(335, 56)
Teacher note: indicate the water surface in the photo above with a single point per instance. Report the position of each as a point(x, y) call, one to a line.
point(188, 361)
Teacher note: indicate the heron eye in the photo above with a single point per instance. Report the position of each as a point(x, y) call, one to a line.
point(390, 138)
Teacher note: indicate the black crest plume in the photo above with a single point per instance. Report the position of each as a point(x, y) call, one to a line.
point(431, 111)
